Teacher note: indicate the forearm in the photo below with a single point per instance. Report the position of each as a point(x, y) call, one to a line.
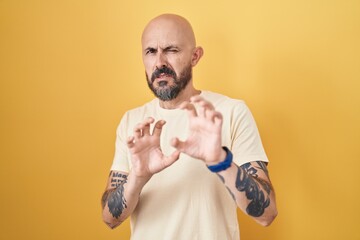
point(118, 203)
point(253, 195)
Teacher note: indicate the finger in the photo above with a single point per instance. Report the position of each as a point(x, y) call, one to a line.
point(179, 145)
point(190, 108)
point(202, 102)
point(201, 111)
point(158, 128)
point(138, 130)
point(130, 142)
point(213, 115)
point(210, 115)
point(218, 119)
point(196, 98)
point(204, 106)
point(146, 126)
point(143, 128)
point(172, 158)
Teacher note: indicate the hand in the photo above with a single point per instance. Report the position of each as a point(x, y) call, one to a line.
point(204, 140)
point(146, 155)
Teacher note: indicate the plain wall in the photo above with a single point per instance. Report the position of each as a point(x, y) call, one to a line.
point(69, 69)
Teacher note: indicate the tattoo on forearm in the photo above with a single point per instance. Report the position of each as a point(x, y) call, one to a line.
point(223, 181)
point(115, 197)
point(245, 182)
point(104, 198)
point(221, 178)
point(262, 166)
point(118, 179)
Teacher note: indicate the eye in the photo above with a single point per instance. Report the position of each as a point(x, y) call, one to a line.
point(173, 50)
point(150, 51)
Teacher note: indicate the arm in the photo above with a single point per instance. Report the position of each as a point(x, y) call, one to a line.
point(249, 184)
point(122, 193)
point(120, 197)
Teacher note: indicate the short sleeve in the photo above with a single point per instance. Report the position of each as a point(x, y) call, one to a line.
point(246, 142)
point(121, 157)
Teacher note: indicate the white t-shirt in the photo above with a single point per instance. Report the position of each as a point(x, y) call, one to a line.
point(186, 201)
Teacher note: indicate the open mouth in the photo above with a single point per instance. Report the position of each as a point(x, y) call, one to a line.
point(163, 79)
point(163, 76)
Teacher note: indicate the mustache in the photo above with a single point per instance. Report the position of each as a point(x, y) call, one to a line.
point(162, 70)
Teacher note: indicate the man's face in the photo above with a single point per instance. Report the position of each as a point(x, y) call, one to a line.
point(167, 59)
point(169, 89)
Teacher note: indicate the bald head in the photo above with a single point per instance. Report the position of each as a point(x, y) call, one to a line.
point(169, 29)
point(169, 53)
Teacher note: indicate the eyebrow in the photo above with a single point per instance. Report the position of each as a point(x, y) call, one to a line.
point(149, 48)
point(171, 46)
point(164, 49)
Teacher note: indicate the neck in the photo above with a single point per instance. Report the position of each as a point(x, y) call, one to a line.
point(184, 95)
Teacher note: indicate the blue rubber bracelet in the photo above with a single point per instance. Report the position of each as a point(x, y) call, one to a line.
point(224, 164)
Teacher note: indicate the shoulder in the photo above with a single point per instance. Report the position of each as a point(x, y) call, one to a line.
point(225, 103)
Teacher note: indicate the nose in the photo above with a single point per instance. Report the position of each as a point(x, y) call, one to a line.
point(161, 60)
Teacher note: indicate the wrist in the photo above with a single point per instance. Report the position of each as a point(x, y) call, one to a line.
point(139, 179)
point(221, 157)
point(223, 165)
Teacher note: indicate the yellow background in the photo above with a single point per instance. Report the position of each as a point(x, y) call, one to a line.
point(69, 69)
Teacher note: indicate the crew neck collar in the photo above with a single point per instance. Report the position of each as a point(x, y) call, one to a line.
point(173, 111)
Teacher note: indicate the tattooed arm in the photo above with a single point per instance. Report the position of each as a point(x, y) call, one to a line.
point(120, 197)
point(123, 190)
point(250, 186)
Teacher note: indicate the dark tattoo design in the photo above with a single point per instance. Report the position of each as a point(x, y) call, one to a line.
point(223, 181)
point(104, 198)
point(221, 178)
point(115, 197)
point(262, 166)
point(247, 180)
point(117, 179)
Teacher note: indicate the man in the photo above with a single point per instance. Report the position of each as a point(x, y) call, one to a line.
point(185, 179)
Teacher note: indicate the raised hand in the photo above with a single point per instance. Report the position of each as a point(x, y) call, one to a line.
point(204, 139)
point(146, 155)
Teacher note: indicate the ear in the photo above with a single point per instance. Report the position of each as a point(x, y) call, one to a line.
point(197, 54)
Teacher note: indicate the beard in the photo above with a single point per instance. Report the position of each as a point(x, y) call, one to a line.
point(166, 92)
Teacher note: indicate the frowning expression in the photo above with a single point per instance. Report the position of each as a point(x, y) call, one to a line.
point(167, 54)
